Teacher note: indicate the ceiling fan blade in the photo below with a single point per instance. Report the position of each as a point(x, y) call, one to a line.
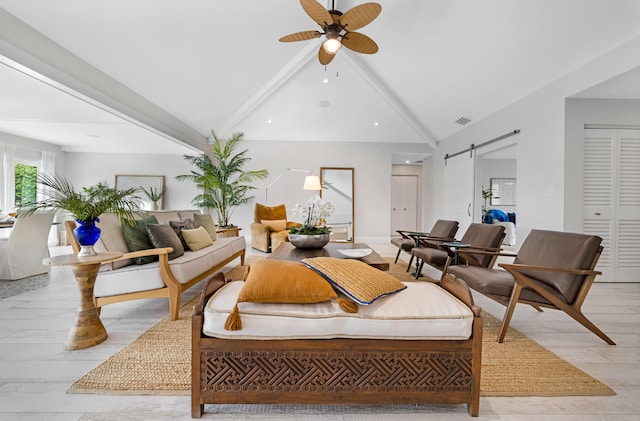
point(324, 57)
point(317, 12)
point(300, 36)
point(360, 43)
point(360, 16)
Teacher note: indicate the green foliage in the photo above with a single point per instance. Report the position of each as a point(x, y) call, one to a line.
point(223, 182)
point(487, 194)
point(25, 183)
point(309, 230)
point(85, 205)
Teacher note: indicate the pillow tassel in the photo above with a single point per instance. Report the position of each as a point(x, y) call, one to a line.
point(233, 321)
point(348, 306)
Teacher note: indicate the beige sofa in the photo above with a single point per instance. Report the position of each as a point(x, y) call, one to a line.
point(123, 280)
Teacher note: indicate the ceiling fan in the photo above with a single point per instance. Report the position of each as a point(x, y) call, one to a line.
point(338, 28)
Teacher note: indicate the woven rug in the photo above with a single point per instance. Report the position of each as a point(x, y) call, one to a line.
point(159, 362)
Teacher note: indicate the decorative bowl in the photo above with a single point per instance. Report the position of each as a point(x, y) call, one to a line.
point(302, 241)
point(355, 253)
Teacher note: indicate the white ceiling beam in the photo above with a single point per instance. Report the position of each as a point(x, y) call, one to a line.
point(30, 52)
point(269, 88)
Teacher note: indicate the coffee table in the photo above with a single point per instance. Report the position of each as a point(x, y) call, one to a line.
point(287, 251)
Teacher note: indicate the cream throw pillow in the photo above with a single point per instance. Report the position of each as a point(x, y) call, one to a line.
point(197, 238)
point(275, 224)
point(205, 221)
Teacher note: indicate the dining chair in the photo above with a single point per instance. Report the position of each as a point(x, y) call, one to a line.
point(22, 252)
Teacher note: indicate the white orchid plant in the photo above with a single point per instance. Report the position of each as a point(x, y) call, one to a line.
point(314, 214)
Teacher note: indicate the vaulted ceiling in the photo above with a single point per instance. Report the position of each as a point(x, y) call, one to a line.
point(105, 75)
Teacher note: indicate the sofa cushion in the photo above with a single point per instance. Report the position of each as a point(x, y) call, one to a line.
point(112, 239)
point(162, 235)
point(137, 239)
point(205, 221)
point(178, 226)
point(197, 238)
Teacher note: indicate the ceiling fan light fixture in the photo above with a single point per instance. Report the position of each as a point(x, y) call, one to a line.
point(332, 44)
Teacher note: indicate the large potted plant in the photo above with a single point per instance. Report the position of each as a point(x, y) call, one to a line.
point(86, 206)
point(223, 182)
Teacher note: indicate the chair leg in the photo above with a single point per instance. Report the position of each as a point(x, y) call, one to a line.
point(410, 262)
point(582, 319)
point(397, 255)
point(419, 268)
point(513, 301)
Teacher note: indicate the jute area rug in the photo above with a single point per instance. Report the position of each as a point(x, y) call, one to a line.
point(159, 362)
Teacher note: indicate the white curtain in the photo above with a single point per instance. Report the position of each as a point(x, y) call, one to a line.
point(49, 162)
point(7, 171)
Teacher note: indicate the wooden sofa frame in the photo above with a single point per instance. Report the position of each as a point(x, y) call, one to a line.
point(335, 371)
point(173, 288)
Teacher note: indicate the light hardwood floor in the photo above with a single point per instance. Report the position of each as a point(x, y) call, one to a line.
point(35, 370)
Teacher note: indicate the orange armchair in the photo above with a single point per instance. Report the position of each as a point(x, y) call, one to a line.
point(270, 227)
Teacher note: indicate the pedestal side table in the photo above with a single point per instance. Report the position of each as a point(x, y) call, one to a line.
point(87, 329)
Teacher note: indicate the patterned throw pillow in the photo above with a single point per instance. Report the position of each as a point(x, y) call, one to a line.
point(135, 235)
point(162, 235)
point(178, 226)
point(357, 280)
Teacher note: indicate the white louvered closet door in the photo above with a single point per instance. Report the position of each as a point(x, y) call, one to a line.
point(611, 200)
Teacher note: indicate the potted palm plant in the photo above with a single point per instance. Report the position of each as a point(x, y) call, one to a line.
point(223, 183)
point(86, 206)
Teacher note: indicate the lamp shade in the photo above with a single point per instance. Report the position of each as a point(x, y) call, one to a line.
point(312, 182)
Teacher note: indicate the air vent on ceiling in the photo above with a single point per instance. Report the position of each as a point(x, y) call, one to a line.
point(463, 120)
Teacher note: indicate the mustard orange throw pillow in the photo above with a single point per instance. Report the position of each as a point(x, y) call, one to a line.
point(282, 281)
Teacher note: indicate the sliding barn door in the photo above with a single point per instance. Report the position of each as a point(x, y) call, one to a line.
point(611, 200)
point(459, 182)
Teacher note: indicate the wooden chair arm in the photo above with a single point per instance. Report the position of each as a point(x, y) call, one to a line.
point(488, 251)
point(521, 267)
point(142, 253)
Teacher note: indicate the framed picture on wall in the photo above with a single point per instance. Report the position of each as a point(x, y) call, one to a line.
point(503, 191)
point(153, 184)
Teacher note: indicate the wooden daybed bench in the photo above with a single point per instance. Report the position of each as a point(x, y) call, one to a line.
point(339, 370)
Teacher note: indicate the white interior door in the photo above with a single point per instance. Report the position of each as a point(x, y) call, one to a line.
point(404, 203)
point(611, 200)
point(459, 181)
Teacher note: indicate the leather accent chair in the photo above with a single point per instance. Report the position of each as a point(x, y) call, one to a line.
point(21, 253)
point(270, 227)
point(480, 237)
point(441, 230)
point(552, 269)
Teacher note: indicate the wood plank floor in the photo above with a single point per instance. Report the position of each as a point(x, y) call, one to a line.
point(35, 370)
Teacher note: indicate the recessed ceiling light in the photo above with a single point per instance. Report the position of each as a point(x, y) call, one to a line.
point(324, 103)
point(376, 124)
point(407, 162)
point(269, 121)
point(325, 80)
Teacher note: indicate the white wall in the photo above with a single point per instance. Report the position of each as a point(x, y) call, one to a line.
point(541, 143)
point(581, 112)
point(372, 177)
point(86, 169)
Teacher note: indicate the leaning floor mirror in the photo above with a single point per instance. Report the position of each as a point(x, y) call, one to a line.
point(337, 188)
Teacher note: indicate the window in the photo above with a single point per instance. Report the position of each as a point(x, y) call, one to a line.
point(25, 183)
